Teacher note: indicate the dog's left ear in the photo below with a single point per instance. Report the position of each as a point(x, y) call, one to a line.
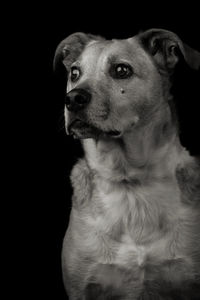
point(167, 49)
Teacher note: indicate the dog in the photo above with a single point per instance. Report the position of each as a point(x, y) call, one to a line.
point(134, 229)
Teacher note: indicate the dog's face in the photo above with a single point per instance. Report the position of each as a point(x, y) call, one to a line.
point(115, 86)
point(110, 80)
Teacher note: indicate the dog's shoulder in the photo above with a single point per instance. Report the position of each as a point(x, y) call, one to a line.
point(188, 177)
point(82, 182)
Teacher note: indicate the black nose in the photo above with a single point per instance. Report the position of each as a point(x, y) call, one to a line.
point(77, 99)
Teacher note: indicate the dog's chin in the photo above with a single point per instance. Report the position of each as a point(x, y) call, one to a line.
point(82, 130)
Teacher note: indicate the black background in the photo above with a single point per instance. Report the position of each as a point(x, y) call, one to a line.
point(41, 153)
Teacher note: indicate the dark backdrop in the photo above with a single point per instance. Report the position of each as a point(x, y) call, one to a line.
point(46, 155)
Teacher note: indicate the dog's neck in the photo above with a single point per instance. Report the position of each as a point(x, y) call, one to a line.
point(152, 150)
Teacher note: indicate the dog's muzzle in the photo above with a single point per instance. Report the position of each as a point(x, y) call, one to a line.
point(76, 101)
point(78, 126)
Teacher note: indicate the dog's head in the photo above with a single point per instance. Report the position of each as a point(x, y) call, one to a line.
point(116, 85)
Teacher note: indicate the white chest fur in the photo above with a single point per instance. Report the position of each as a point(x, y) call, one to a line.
point(142, 210)
point(129, 220)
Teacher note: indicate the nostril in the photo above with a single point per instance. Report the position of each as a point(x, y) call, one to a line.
point(80, 99)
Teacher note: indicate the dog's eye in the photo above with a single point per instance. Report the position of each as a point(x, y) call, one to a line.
point(122, 71)
point(75, 74)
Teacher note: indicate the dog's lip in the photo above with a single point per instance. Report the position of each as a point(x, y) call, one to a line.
point(76, 124)
point(113, 133)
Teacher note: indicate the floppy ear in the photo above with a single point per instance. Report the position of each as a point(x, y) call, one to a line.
point(167, 49)
point(71, 47)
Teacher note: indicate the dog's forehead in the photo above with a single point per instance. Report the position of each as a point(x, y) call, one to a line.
point(93, 51)
point(104, 51)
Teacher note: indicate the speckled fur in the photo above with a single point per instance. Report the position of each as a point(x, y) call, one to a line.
point(134, 230)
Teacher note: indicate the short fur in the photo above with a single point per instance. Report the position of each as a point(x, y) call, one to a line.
point(134, 230)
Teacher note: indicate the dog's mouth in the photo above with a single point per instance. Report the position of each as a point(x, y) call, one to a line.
point(83, 130)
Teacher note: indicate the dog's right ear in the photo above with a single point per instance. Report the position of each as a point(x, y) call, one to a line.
point(70, 48)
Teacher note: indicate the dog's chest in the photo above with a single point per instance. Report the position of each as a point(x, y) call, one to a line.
point(137, 210)
point(129, 219)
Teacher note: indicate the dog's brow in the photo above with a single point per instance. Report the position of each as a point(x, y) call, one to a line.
point(112, 59)
point(115, 58)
